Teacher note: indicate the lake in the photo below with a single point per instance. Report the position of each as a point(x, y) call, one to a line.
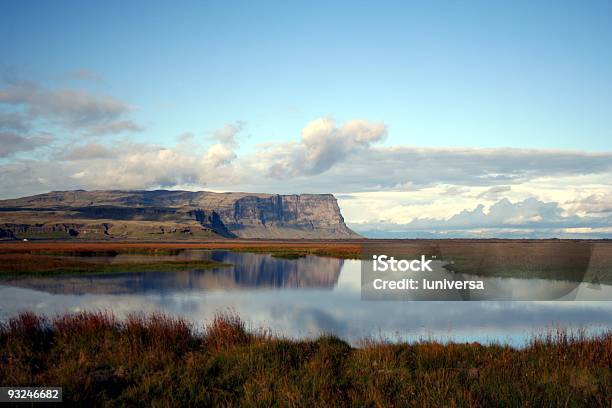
point(308, 296)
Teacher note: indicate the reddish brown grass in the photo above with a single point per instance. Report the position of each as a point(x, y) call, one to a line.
point(160, 360)
point(226, 330)
point(348, 248)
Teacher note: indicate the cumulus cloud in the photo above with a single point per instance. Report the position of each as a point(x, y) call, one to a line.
point(503, 213)
point(136, 167)
point(144, 169)
point(121, 165)
point(223, 152)
point(322, 145)
point(528, 218)
point(219, 154)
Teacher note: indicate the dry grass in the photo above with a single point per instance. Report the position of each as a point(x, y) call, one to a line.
point(226, 330)
point(324, 248)
point(161, 361)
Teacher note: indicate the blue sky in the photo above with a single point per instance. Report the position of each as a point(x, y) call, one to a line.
point(416, 113)
point(480, 74)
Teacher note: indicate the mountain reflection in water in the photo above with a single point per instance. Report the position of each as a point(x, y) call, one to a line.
point(247, 270)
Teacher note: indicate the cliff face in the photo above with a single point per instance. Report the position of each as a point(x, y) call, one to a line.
point(276, 216)
point(153, 214)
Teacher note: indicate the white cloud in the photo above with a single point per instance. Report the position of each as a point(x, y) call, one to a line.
point(322, 145)
point(219, 154)
point(139, 167)
point(73, 109)
point(504, 218)
point(443, 191)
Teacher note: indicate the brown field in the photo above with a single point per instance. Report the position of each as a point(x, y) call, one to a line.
point(347, 247)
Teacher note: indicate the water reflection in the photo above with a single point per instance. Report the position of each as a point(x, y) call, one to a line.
point(301, 298)
point(247, 271)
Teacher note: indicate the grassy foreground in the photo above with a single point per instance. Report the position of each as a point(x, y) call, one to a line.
point(161, 361)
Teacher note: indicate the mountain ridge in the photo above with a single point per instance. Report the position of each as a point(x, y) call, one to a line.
point(166, 214)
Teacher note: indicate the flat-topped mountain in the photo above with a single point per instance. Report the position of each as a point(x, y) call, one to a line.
point(163, 214)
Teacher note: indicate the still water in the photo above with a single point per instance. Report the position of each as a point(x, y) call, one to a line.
point(306, 297)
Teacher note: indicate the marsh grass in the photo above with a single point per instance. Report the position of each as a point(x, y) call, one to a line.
point(336, 249)
point(19, 265)
point(156, 360)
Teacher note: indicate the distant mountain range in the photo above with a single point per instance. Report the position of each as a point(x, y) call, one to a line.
point(171, 215)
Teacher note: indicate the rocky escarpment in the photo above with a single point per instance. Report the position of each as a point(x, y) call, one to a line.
point(181, 214)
